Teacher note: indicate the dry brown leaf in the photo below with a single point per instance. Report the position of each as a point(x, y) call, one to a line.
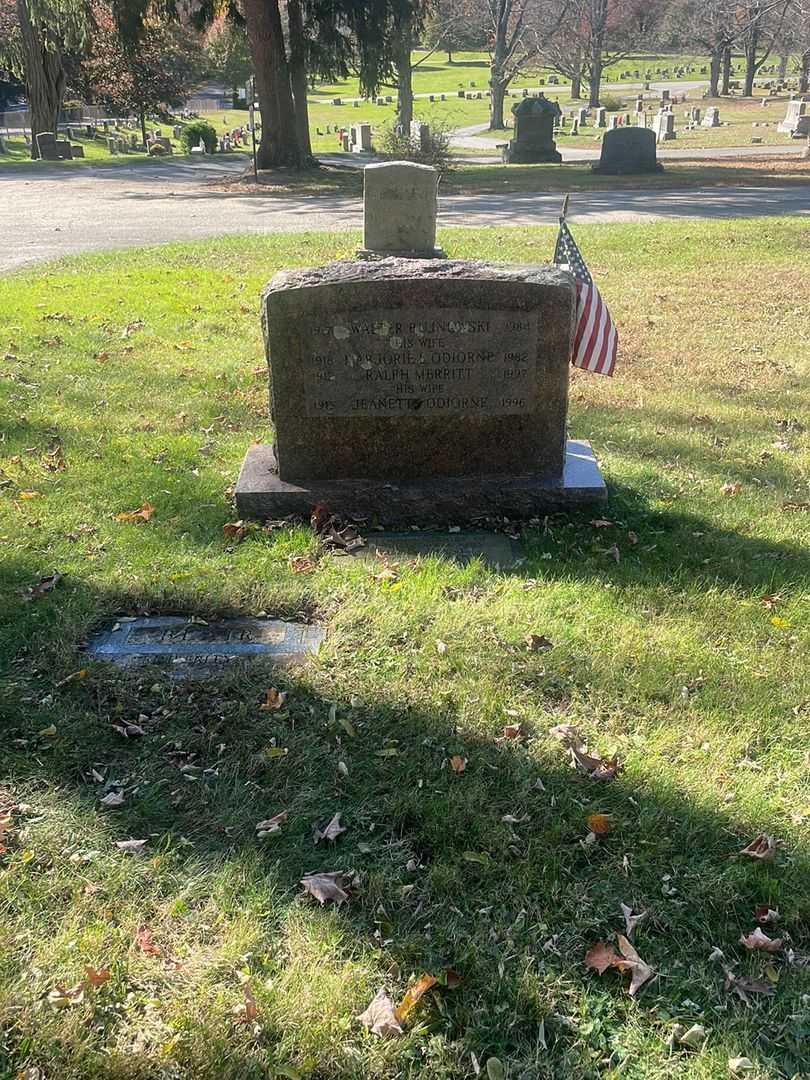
point(640, 972)
point(113, 799)
point(143, 513)
point(613, 552)
point(538, 643)
point(766, 915)
point(743, 986)
point(331, 832)
point(598, 824)
point(96, 978)
point(301, 564)
point(73, 677)
point(127, 728)
point(273, 699)
point(380, 1017)
point(413, 995)
point(45, 585)
point(61, 998)
point(271, 825)
point(600, 957)
point(235, 530)
point(631, 921)
point(760, 940)
point(730, 490)
point(458, 763)
point(132, 847)
point(592, 764)
point(325, 887)
point(513, 731)
point(320, 517)
point(632, 538)
point(146, 942)
point(451, 979)
point(770, 600)
point(762, 848)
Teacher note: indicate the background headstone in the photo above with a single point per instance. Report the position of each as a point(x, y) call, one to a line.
point(534, 132)
point(399, 209)
point(628, 150)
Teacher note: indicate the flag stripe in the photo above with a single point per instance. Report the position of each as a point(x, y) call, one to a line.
point(595, 337)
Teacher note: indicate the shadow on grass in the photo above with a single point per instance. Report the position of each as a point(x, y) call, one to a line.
point(443, 879)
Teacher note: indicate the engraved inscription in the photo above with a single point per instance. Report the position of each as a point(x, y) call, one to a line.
point(443, 362)
point(198, 634)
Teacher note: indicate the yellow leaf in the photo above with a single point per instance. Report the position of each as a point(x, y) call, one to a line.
point(413, 995)
point(598, 823)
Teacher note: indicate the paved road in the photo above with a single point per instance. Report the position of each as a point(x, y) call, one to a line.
point(45, 214)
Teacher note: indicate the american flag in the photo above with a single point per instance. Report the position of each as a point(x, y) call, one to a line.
point(595, 337)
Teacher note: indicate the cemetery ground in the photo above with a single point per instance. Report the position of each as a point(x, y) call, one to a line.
point(671, 630)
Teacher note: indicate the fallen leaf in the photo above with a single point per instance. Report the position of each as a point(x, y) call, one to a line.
point(631, 921)
point(640, 972)
point(762, 848)
point(598, 823)
point(766, 915)
point(80, 674)
point(613, 552)
point(273, 699)
point(739, 1065)
point(320, 517)
point(301, 564)
point(729, 490)
point(441, 647)
point(45, 584)
point(451, 979)
point(325, 887)
point(61, 998)
point(113, 799)
point(538, 643)
point(271, 825)
point(495, 1069)
point(458, 763)
point(592, 764)
point(96, 978)
point(30, 494)
point(770, 600)
point(48, 732)
point(743, 986)
point(380, 1017)
point(513, 731)
point(127, 728)
point(331, 832)
point(142, 514)
point(694, 1037)
point(235, 530)
point(413, 995)
point(600, 957)
point(632, 538)
point(132, 847)
point(146, 942)
point(760, 940)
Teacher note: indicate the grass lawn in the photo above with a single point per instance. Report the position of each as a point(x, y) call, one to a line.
point(137, 377)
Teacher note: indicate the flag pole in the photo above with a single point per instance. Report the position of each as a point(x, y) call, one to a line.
point(564, 209)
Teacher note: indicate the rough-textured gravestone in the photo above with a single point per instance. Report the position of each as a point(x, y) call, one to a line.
point(51, 148)
point(418, 391)
point(626, 151)
point(76, 150)
point(399, 210)
point(712, 117)
point(534, 132)
point(420, 134)
point(197, 647)
point(601, 117)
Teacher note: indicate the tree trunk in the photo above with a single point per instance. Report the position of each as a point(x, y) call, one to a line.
point(751, 46)
point(596, 78)
point(783, 64)
point(714, 72)
point(804, 73)
point(725, 88)
point(403, 42)
point(449, 56)
point(298, 77)
point(44, 78)
point(279, 141)
point(576, 85)
point(496, 100)
point(142, 118)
